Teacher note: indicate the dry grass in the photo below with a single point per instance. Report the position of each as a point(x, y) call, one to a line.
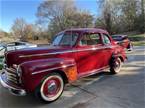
point(11, 39)
point(7, 39)
point(139, 43)
point(44, 41)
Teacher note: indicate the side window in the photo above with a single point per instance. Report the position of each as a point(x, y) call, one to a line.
point(69, 39)
point(106, 39)
point(90, 39)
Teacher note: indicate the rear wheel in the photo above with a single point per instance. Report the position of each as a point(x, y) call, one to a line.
point(51, 88)
point(130, 47)
point(116, 66)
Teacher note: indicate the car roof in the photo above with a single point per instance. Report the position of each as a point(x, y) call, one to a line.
point(120, 35)
point(85, 30)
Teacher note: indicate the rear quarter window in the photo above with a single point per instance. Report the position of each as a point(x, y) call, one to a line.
point(106, 39)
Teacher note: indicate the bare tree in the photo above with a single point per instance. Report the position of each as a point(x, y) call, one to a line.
point(18, 28)
point(2, 34)
point(22, 30)
point(110, 10)
point(62, 14)
point(121, 15)
point(143, 15)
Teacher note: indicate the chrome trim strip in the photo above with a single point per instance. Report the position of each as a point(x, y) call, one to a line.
point(63, 66)
point(88, 73)
point(14, 81)
point(12, 74)
point(11, 70)
point(68, 51)
point(45, 54)
point(97, 69)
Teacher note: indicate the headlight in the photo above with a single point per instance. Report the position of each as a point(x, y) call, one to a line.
point(19, 71)
point(15, 66)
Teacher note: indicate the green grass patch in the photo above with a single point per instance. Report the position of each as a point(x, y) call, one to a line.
point(138, 37)
point(139, 43)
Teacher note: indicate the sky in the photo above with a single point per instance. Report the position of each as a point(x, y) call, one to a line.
point(12, 9)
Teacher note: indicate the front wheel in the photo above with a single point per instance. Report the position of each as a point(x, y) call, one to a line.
point(116, 67)
point(51, 88)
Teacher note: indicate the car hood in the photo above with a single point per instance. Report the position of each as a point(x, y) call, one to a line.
point(28, 54)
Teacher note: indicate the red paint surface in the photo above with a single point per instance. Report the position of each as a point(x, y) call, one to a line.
point(96, 58)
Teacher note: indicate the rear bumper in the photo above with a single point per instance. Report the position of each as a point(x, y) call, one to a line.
point(13, 88)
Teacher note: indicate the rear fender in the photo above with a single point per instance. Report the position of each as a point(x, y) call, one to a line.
point(116, 55)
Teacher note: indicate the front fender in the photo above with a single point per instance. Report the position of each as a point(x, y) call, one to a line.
point(34, 71)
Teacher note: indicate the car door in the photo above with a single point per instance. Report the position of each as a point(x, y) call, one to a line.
point(89, 53)
point(107, 49)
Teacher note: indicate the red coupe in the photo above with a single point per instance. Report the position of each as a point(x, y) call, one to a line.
point(74, 53)
point(124, 41)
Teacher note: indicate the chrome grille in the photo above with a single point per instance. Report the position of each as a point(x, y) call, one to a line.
point(12, 75)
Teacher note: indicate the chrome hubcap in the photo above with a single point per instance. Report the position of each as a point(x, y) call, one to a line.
point(52, 87)
point(117, 65)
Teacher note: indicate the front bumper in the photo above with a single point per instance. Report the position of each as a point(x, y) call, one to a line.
point(13, 88)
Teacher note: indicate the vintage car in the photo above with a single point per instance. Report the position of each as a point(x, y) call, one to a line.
point(14, 46)
point(124, 41)
point(74, 53)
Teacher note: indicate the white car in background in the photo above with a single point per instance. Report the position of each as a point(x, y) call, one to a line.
point(14, 46)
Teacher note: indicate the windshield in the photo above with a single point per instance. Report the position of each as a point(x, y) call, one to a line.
point(65, 39)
